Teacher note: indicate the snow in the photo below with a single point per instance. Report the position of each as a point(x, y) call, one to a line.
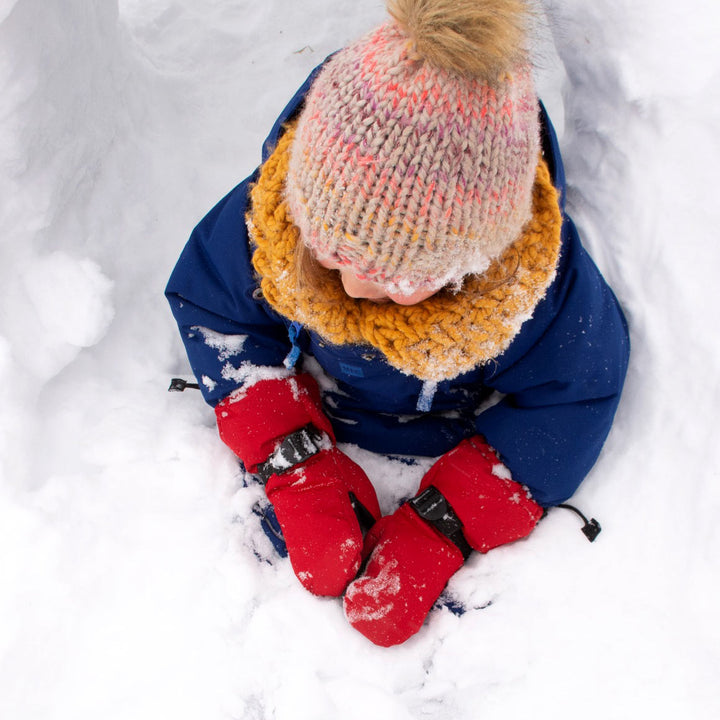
point(129, 582)
point(227, 345)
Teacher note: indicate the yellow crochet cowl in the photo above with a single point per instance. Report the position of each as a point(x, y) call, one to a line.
point(438, 339)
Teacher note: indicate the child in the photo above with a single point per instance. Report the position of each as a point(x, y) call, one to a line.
point(406, 229)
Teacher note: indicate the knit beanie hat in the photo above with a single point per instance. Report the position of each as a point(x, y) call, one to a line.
point(415, 154)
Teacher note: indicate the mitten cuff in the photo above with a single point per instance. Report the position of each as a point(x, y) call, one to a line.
point(252, 421)
point(493, 508)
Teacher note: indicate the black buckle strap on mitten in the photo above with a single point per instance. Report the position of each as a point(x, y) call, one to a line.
point(293, 450)
point(432, 506)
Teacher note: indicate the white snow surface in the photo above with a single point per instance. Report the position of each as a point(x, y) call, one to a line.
point(129, 583)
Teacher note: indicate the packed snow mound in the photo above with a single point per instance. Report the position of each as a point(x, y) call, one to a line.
point(71, 298)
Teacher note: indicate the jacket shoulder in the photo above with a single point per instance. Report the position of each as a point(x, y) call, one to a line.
point(577, 335)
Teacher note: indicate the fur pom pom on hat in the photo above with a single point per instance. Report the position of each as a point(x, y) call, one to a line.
point(415, 154)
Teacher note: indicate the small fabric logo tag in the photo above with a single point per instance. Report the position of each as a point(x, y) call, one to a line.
point(352, 370)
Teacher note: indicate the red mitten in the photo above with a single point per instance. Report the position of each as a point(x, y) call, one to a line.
point(492, 507)
point(314, 499)
point(467, 500)
point(410, 564)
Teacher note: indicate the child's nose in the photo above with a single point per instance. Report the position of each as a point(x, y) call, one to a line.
point(356, 287)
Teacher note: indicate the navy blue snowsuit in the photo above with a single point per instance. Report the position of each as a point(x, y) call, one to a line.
point(550, 398)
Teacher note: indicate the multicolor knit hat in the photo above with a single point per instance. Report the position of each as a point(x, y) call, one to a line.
point(415, 154)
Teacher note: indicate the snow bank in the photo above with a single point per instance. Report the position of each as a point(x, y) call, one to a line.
point(130, 583)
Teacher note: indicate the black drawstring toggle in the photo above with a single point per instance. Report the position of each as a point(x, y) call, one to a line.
point(591, 529)
point(178, 385)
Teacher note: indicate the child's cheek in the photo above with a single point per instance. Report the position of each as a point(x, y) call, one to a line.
point(413, 299)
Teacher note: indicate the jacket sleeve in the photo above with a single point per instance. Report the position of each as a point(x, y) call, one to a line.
point(230, 334)
point(561, 380)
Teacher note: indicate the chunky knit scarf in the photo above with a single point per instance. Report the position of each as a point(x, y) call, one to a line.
point(438, 339)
